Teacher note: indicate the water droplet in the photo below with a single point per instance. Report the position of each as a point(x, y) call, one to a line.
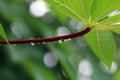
point(14, 44)
point(105, 68)
point(67, 39)
point(32, 43)
point(39, 43)
point(31, 38)
point(61, 41)
point(43, 42)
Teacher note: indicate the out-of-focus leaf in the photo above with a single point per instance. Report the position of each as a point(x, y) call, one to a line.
point(117, 75)
point(3, 34)
point(103, 45)
point(38, 72)
point(69, 69)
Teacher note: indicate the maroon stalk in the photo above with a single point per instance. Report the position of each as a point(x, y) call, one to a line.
point(40, 40)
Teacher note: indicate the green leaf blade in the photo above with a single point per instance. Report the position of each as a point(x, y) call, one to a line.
point(111, 20)
point(102, 8)
point(79, 9)
point(38, 72)
point(64, 61)
point(115, 30)
point(87, 11)
point(3, 34)
point(63, 6)
point(103, 45)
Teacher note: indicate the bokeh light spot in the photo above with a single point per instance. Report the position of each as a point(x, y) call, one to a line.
point(50, 60)
point(38, 8)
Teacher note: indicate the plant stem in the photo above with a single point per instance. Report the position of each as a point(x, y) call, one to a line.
point(40, 40)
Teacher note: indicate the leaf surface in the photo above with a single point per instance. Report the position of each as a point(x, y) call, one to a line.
point(102, 8)
point(77, 9)
point(103, 45)
point(111, 20)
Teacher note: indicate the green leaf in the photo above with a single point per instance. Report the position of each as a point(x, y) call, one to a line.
point(103, 45)
point(3, 34)
point(115, 30)
point(111, 20)
point(77, 9)
point(86, 10)
point(64, 7)
point(102, 8)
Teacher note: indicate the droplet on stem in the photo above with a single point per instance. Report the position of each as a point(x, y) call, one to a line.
point(61, 41)
point(43, 42)
point(14, 44)
point(32, 43)
point(39, 43)
point(67, 39)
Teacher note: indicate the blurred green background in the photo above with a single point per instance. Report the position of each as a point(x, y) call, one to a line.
point(70, 60)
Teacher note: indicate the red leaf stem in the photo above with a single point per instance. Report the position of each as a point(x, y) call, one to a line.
point(40, 40)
